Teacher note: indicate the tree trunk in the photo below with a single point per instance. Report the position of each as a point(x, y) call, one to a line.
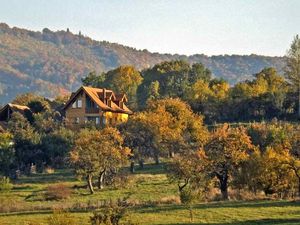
point(299, 101)
point(191, 214)
point(298, 186)
point(224, 186)
point(132, 167)
point(141, 163)
point(171, 154)
point(156, 158)
point(90, 183)
point(101, 179)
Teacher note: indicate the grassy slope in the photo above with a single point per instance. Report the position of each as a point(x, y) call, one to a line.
point(147, 186)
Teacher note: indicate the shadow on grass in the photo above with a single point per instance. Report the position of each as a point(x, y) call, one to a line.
point(43, 178)
point(251, 222)
point(22, 188)
point(216, 205)
point(152, 169)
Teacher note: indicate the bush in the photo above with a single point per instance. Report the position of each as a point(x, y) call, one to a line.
point(57, 192)
point(123, 180)
point(61, 218)
point(111, 214)
point(5, 184)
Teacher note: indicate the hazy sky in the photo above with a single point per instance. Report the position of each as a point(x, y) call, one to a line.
point(168, 26)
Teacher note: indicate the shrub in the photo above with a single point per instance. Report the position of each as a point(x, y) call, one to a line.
point(57, 192)
point(123, 180)
point(172, 199)
point(49, 170)
point(5, 184)
point(61, 218)
point(111, 214)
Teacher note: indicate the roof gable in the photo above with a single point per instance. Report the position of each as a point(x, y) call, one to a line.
point(99, 97)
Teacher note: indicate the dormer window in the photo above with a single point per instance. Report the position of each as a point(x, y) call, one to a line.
point(79, 103)
point(74, 105)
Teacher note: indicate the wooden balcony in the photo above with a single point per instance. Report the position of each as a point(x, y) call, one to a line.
point(92, 110)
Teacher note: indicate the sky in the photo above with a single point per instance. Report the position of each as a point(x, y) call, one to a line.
point(211, 27)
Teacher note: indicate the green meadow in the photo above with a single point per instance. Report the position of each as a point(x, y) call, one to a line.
point(154, 200)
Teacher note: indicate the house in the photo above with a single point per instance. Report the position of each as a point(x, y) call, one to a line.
point(94, 105)
point(9, 109)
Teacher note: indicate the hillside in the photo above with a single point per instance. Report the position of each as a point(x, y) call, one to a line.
point(52, 63)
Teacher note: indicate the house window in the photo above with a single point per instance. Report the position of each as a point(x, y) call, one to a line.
point(77, 120)
point(97, 120)
point(104, 120)
point(74, 105)
point(79, 103)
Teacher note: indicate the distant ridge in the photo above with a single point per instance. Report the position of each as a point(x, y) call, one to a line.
point(51, 63)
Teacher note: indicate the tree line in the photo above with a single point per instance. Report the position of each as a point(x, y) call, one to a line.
point(268, 95)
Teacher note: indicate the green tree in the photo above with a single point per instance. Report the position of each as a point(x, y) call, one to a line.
point(170, 79)
point(56, 146)
point(292, 69)
point(6, 152)
point(39, 106)
point(125, 79)
point(260, 98)
point(26, 142)
point(94, 80)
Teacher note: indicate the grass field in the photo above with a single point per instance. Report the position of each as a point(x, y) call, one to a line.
point(150, 190)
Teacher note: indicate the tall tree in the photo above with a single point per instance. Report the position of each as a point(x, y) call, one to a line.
point(292, 69)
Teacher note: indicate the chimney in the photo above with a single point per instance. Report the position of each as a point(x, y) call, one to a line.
point(121, 104)
point(104, 95)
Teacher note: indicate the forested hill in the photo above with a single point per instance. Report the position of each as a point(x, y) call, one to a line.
point(52, 63)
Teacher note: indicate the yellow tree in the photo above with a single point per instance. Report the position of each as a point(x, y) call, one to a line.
point(184, 130)
point(97, 152)
point(226, 150)
point(125, 79)
point(187, 169)
point(277, 163)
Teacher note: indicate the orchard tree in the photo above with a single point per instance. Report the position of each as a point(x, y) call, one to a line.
point(226, 150)
point(188, 169)
point(168, 126)
point(184, 130)
point(143, 134)
point(97, 152)
point(276, 176)
point(277, 167)
point(292, 69)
